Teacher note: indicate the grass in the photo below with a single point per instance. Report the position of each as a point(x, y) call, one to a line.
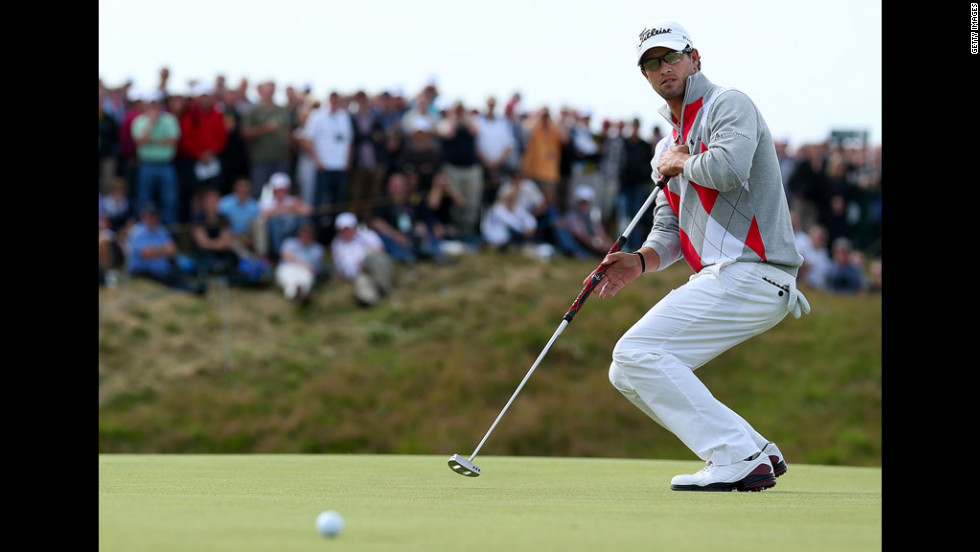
point(243, 503)
point(427, 371)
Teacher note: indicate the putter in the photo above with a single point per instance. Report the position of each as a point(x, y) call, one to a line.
point(465, 466)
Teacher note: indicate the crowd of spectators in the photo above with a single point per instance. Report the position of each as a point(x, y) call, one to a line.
point(208, 180)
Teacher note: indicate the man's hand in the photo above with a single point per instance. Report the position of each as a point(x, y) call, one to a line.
point(672, 160)
point(621, 269)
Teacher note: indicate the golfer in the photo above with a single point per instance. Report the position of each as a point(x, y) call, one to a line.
point(724, 211)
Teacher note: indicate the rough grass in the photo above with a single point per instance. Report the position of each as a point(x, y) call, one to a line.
point(427, 371)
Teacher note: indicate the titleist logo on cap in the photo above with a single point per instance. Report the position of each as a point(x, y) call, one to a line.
point(647, 33)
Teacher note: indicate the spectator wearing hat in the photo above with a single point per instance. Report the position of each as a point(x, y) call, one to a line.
point(152, 253)
point(359, 257)
point(155, 135)
point(301, 264)
point(281, 213)
point(585, 224)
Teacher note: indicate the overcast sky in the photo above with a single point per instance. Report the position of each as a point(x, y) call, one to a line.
point(811, 66)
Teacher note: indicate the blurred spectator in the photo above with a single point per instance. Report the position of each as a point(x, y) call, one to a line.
point(108, 144)
point(369, 155)
point(508, 223)
point(163, 82)
point(281, 214)
point(395, 141)
point(495, 146)
point(234, 156)
point(242, 101)
point(305, 167)
point(550, 227)
point(518, 130)
point(612, 158)
point(419, 158)
point(835, 218)
point(359, 257)
point(176, 104)
point(787, 163)
point(152, 253)
point(814, 248)
point(458, 133)
point(111, 242)
point(388, 110)
point(128, 161)
point(874, 276)
point(806, 185)
point(636, 185)
point(115, 101)
point(327, 137)
point(442, 202)
point(586, 155)
point(402, 229)
point(155, 133)
point(265, 129)
point(211, 238)
point(847, 271)
point(657, 136)
point(542, 156)
point(301, 264)
point(585, 225)
point(422, 108)
point(243, 213)
point(204, 135)
point(117, 207)
point(420, 161)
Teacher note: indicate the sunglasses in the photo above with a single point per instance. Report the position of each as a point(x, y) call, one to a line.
point(653, 64)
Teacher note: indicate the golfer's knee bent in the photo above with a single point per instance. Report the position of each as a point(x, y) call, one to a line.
point(628, 361)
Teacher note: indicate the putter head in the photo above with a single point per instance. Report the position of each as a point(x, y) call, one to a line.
point(463, 466)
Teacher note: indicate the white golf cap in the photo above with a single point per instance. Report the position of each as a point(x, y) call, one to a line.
point(664, 33)
point(345, 220)
point(280, 181)
point(584, 193)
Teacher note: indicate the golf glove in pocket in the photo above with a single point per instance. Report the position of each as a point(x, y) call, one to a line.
point(797, 304)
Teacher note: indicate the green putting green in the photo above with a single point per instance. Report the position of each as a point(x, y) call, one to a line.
point(242, 503)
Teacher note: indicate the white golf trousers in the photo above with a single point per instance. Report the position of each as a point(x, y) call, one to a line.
point(653, 363)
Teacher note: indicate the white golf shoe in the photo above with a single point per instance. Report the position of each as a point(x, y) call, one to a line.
point(752, 474)
point(775, 458)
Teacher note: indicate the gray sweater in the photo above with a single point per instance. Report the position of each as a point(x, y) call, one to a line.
point(729, 204)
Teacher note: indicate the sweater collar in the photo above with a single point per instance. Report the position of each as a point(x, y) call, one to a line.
point(695, 88)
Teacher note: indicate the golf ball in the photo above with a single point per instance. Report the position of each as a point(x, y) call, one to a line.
point(329, 523)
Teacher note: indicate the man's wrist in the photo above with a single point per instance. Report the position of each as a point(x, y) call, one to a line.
point(643, 261)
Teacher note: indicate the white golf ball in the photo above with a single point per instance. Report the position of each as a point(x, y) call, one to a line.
point(329, 523)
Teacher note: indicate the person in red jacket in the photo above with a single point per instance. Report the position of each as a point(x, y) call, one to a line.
point(203, 137)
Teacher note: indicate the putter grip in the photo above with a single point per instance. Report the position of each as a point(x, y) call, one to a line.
point(600, 271)
point(594, 280)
